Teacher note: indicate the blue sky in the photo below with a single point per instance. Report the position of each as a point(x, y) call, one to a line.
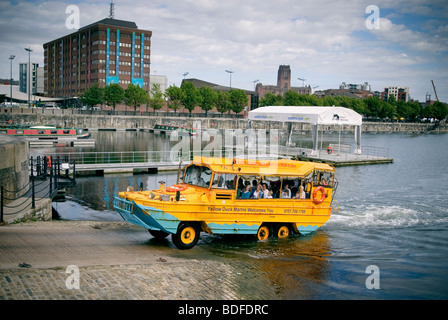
point(325, 42)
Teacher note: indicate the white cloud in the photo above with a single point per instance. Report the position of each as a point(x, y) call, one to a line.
point(325, 42)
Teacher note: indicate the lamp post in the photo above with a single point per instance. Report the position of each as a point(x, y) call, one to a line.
point(255, 84)
point(230, 72)
point(28, 78)
point(185, 74)
point(10, 83)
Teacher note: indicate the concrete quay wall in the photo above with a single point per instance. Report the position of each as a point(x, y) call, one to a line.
point(14, 163)
point(69, 118)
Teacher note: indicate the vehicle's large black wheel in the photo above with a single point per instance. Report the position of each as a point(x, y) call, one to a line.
point(264, 232)
point(282, 231)
point(187, 235)
point(158, 234)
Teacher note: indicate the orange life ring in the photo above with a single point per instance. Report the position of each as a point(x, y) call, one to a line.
point(330, 150)
point(175, 188)
point(48, 162)
point(9, 121)
point(322, 198)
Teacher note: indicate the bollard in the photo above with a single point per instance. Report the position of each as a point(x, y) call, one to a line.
point(33, 199)
point(1, 204)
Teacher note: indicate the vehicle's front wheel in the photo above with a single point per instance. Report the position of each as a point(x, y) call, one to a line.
point(263, 233)
point(187, 235)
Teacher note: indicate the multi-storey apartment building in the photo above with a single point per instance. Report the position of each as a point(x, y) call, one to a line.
point(104, 52)
point(34, 82)
point(400, 93)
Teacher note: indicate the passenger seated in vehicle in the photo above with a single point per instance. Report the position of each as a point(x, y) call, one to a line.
point(257, 194)
point(246, 193)
point(265, 190)
point(270, 194)
point(286, 191)
point(301, 194)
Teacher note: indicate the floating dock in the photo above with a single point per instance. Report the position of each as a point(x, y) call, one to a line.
point(370, 156)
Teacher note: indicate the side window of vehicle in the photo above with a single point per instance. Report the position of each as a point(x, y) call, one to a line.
point(323, 178)
point(224, 181)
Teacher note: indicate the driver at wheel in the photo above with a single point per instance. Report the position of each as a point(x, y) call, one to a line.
point(198, 180)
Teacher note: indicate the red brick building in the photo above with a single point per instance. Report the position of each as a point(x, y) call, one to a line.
point(104, 52)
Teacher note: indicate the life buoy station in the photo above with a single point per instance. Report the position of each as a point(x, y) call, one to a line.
point(322, 120)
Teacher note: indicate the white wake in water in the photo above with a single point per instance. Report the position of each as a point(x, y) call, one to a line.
point(390, 217)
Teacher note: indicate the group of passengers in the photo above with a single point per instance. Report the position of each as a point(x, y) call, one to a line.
point(256, 190)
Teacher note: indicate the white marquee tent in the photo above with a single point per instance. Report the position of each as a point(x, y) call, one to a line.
point(315, 115)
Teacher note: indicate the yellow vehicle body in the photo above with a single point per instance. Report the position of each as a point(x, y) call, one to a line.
point(210, 198)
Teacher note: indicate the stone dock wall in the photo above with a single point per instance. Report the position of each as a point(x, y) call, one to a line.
point(96, 120)
point(14, 163)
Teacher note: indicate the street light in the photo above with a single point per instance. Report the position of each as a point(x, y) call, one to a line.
point(186, 74)
point(255, 84)
point(303, 81)
point(10, 83)
point(230, 72)
point(29, 74)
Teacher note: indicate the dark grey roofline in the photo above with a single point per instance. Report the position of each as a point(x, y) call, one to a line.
point(112, 22)
point(106, 21)
point(201, 83)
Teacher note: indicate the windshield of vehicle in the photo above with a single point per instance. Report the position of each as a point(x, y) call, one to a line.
point(198, 176)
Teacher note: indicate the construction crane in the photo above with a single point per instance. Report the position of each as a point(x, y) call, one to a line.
point(435, 90)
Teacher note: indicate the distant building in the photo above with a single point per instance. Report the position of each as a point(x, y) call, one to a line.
point(283, 84)
point(36, 81)
point(159, 79)
point(400, 93)
point(365, 86)
point(104, 52)
point(350, 93)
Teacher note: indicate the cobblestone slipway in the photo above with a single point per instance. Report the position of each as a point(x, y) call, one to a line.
point(115, 261)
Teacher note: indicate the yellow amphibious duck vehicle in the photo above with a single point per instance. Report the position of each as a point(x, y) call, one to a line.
point(233, 196)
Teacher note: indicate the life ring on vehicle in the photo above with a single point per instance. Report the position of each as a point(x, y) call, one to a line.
point(48, 162)
point(175, 188)
point(322, 198)
point(9, 121)
point(330, 150)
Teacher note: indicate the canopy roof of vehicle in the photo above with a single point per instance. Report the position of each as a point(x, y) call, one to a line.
point(280, 167)
point(314, 115)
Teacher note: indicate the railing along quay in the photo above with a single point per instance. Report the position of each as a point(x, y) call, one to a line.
point(45, 179)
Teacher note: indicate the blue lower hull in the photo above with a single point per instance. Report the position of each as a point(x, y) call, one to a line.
point(146, 217)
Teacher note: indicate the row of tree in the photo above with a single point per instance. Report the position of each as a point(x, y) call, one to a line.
point(371, 107)
point(187, 96)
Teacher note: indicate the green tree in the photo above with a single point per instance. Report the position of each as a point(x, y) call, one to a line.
point(222, 102)
point(208, 99)
point(238, 100)
point(175, 96)
point(113, 94)
point(387, 111)
point(155, 100)
point(415, 110)
point(373, 106)
point(135, 96)
point(292, 98)
point(92, 96)
point(270, 99)
point(191, 98)
point(438, 111)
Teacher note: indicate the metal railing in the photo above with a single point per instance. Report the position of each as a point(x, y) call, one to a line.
point(123, 157)
point(46, 177)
